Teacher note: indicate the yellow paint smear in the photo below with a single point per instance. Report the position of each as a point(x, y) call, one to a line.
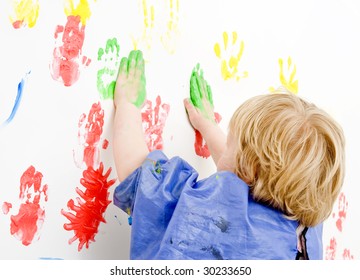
point(26, 13)
point(82, 9)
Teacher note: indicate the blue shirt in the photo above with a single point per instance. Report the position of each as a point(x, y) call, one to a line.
point(176, 216)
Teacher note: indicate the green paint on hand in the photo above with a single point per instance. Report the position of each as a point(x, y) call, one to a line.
point(106, 77)
point(200, 91)
point(133, 67)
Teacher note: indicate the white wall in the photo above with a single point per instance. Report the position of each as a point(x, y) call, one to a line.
point(321, 37)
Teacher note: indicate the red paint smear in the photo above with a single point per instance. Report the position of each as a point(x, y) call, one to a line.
point(17, 24)
point(65, 64)
point(93, 131)
point(6, 207)
point(342, 207)
point(105, 144)
point(90, 208)
point(201, 148)
point(330, 252)
point(27, 223)
point(347, 255)
point(154, 122)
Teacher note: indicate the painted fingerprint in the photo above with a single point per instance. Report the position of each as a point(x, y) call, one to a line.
point(287, 76)
point(20, 89)
point(87, 212)
point(69, 39)
point(106, 76)
point(342, 211)
point(153, 120)
point(89, 136)
point(6, 207)
point(347, 255)
point(230, 56)
point(25, 13)
point(330, 252)
point(144, 41)
point(27, 223)
point(170, 37)
point(201, 148)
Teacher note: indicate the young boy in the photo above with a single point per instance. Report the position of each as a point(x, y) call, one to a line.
point(279, 172)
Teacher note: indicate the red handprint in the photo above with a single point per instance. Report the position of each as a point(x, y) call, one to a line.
point(154, 122)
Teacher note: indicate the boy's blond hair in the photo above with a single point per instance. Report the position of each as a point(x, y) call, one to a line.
point(291, 153)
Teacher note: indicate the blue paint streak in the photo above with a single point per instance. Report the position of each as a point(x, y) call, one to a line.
point(17, 100)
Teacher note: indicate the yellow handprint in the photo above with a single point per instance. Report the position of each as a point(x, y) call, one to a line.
point(231, 59)
point(26, 13)
point(288, 82)
point(82, 9)
point(146, 37)
point(169, 38)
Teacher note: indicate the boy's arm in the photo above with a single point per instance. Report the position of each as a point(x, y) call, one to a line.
point(200, 110)
point(129, 146)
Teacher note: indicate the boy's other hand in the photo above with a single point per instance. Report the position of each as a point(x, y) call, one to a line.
point(199, 107)
point(131, 82)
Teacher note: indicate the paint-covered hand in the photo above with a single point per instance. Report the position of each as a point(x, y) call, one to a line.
point(131, 82)
point(200, 107)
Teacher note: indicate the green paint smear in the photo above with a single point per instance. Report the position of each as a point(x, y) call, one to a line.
point(135, 64)
point(200, 90)
point(106, 77)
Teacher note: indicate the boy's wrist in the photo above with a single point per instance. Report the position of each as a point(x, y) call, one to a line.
point(124, 101)
point(207, 126)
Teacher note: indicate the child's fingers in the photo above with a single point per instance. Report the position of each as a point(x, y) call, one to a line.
point(209, 94)
point(140, 66)
point(123, 67)
point(132, 63)
point(194, 92)
point(190, 109)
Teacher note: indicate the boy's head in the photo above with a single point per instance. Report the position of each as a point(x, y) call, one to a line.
point(290, 153)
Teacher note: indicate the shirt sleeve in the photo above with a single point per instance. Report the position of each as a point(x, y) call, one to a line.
point(158, 181)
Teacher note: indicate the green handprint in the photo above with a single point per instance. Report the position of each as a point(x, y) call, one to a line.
point(132, 78)
point(106, 77)
point(200, 93)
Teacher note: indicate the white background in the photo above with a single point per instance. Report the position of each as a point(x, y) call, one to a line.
point(321, 37)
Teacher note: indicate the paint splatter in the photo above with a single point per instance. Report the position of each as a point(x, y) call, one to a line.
point(106, 76)
point(6, 207)
point(287, 76)
point(144, 42)
point(154, 122)
point(201, 148)
point(86, 214)
point(342, 207)
point(170, 37)
point(213, 251)
point(347, 255)
point(26, 13)
point(20, 90)
point(89, 135)
point(222, 224)
point(105, 144)
point(26, 225)
point(230, 57)
point(67, 55)
point(330, 252)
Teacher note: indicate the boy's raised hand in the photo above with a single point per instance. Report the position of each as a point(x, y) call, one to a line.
point(200, 107)
point(131, 82)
